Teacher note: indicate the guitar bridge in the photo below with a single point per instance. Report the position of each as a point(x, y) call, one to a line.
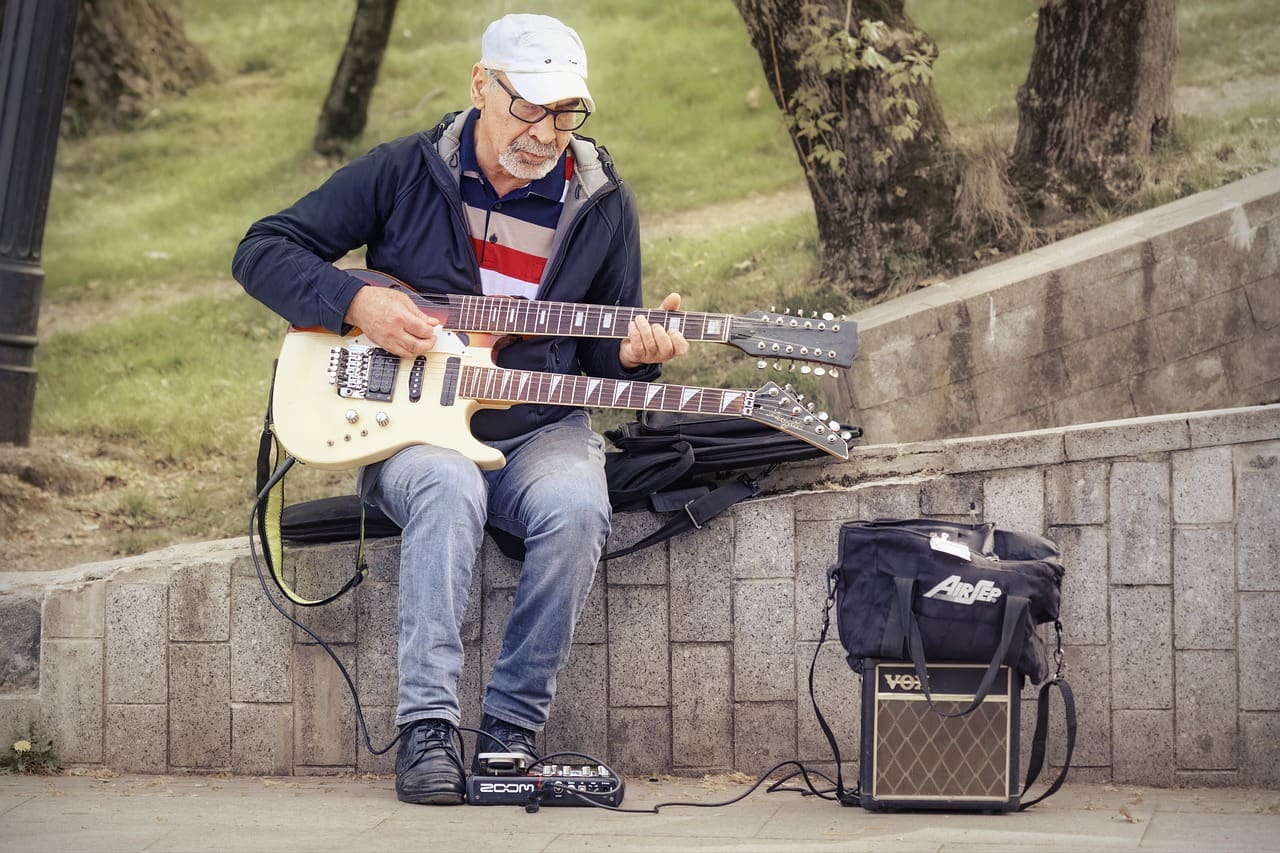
point(363, 372)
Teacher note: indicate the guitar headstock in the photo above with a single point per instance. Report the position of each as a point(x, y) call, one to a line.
point(784, 409)
point(823, 339)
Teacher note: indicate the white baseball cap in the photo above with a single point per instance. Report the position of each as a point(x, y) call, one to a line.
point(543, 59)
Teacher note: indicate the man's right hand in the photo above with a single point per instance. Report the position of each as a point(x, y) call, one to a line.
point(389, 318)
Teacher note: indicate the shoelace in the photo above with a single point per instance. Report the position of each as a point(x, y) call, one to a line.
point(435, 735)
point(515, 738)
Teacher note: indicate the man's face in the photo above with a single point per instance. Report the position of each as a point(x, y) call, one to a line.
point(518, 149)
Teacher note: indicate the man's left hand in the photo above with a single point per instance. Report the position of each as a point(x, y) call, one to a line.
point(652, 343)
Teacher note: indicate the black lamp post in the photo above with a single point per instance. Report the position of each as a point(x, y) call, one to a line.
point(35, 60)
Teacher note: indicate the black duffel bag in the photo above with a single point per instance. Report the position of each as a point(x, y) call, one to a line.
point(930, 591)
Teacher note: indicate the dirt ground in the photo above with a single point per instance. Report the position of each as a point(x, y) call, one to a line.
point(59, 501)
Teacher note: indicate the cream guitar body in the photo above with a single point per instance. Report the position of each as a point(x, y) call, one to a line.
point(340, 402)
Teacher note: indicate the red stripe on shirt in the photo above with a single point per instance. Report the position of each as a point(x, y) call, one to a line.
point(508, 261)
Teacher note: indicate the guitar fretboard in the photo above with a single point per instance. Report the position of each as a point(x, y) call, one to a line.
point(524, 317)
point(497, 384)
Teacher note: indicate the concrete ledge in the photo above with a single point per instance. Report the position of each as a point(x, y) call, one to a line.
point(1172, 309)
point(694, 656)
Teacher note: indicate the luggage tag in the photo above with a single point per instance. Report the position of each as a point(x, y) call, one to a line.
point(944, 543)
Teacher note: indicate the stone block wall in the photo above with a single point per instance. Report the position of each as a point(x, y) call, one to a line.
point(694, 656)
point(1171, 310)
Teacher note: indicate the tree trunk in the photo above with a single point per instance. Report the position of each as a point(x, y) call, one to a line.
point(346, 109)
point(1098, 94)
point(127, 55)
point(877, 189)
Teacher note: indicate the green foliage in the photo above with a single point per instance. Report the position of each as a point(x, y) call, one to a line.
point(30, 754)
point(830, 53)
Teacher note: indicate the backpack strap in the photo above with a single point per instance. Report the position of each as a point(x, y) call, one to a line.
point(269, 507)
point(705, 505)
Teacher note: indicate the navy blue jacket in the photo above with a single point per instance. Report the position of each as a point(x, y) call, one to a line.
point(402, 202)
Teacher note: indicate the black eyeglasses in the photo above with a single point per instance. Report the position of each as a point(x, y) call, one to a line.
point(531, 113)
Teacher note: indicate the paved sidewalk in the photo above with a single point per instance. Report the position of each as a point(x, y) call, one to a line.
point(190, 813)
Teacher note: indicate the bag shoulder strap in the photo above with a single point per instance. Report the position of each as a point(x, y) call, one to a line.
point(1039, 740)
point(695, 512)
point(850, 796)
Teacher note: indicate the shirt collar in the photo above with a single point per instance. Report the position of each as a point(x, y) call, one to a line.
point(550, 186)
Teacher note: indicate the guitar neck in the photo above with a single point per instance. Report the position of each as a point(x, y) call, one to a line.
point(501, 385)
point(822, 340)
point(526, 317)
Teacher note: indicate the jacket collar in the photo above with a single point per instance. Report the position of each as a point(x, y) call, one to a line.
point(589, 171)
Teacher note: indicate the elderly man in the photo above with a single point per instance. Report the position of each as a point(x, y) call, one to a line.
point(502, 199)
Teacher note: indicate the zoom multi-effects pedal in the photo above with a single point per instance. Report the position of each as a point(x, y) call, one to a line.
point(544, 785)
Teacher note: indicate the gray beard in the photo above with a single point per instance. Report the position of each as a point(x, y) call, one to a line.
point(509, 160)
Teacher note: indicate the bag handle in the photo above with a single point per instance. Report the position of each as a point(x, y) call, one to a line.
point(1014, 608)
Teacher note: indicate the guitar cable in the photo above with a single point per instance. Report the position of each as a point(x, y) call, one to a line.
point(553, 789)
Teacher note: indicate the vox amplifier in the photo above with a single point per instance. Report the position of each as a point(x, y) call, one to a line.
point(912, 758)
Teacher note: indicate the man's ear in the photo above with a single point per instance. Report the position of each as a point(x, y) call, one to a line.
point(479, 83)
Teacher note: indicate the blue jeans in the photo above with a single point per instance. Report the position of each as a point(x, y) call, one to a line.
point(551, 493)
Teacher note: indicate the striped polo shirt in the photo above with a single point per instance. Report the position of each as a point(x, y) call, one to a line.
point(512, 235)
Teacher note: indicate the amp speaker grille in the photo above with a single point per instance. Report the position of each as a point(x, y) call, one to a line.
point(913, 757)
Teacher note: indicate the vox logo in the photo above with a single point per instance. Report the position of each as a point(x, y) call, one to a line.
point(897, 681)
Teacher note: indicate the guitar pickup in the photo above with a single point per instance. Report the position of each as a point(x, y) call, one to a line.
point(363, 372)
point(416, 373)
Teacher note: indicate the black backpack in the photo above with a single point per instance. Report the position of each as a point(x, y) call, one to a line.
point(695, 466)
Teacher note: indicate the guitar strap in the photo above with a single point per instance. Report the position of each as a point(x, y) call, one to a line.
point(270, 510)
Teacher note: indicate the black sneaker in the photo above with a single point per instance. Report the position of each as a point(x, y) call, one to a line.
point(428, 769)
point(516, 739)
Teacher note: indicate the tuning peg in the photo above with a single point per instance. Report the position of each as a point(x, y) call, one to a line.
point(761, 364)
point(788, 387)
point(846, 435)
point(786, 311)
point(777, 365)
point(806, 370)
point(832, 372)
point(814, 314)
point(833, 424)
point(822, 416)
point(819, 371)
point(827, 315)
point(810, 405)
